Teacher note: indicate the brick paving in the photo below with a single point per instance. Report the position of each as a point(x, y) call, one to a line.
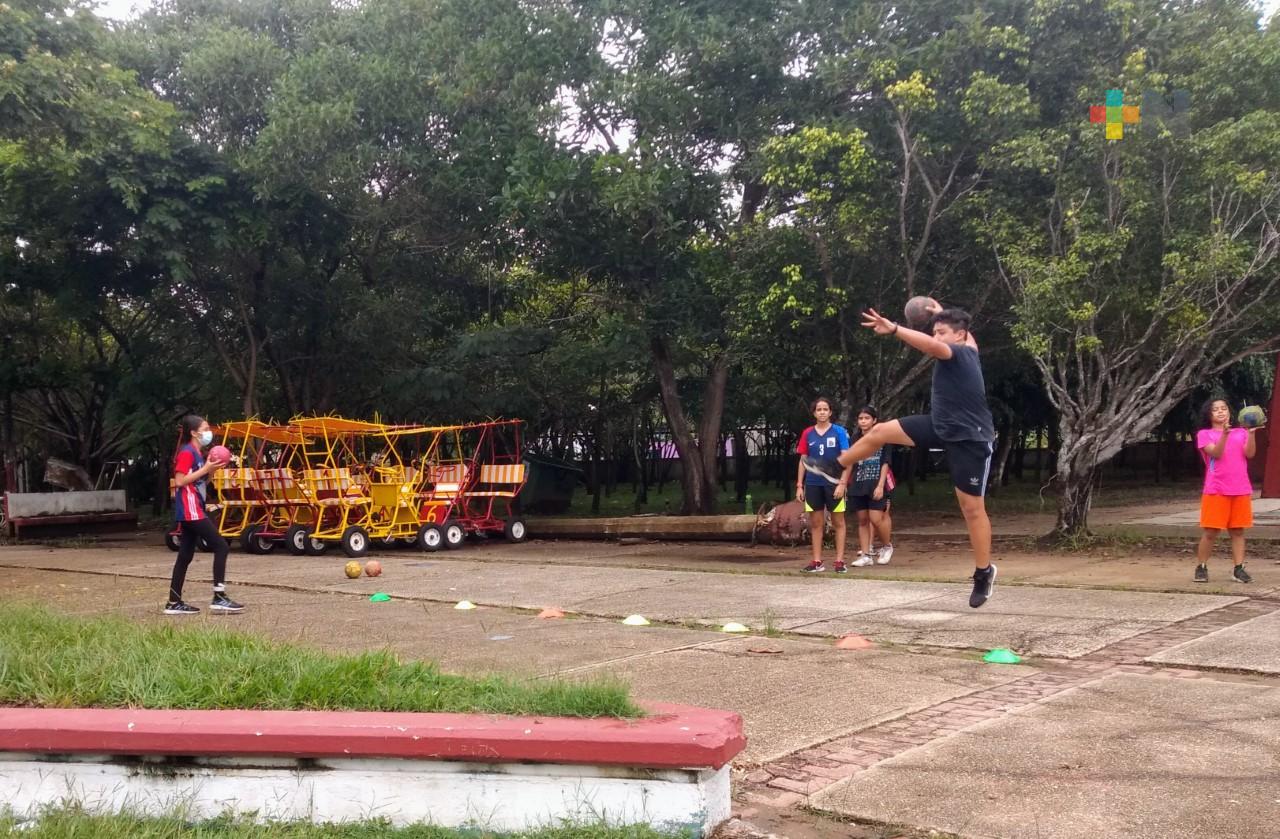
point(791, 780)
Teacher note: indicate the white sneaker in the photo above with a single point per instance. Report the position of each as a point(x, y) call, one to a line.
point(862, 561)
point(886, 554)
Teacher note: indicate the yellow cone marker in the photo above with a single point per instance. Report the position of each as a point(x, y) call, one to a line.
point(636, 620)
point(465, 604)
point(734, 627)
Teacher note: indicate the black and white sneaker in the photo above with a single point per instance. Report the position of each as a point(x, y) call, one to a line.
point(1202, 573)
point(821, 468)
point(814, 568)
point(984, 583)
point(180, 608)
point(224, 605)
point(1241, 575)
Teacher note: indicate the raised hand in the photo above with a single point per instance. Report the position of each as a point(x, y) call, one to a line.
point(881, 324)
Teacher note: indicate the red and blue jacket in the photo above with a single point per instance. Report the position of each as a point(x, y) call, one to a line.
point(188, 501)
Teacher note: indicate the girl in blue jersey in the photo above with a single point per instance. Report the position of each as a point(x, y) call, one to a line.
point(821, 482)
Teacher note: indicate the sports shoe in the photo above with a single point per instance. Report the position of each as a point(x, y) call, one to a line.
point(814, 567)
point(180, 608)
point(984, 583)
point(840, 568)
point(821, 468)
point(863, 561)
point(1202, 573)
point(885, 554)
point(1240, 574)
point(225, 605)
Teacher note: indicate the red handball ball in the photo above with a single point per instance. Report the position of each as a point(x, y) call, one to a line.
point(373, 568)
point(222, 454)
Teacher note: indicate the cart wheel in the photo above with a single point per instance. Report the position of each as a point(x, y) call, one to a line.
point(255, 544)
point(171, 541)
point(355, 541)
point(315, 547)
point(453, 535)
point(295, 539)
point(430, 538)
point(514, 530)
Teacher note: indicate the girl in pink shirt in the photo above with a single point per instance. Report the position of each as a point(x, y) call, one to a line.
point(1226, 503)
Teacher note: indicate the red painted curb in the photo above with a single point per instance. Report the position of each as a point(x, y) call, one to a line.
point(677, 736)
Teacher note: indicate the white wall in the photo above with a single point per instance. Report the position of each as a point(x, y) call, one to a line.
point(499, 796)
point(65, 503)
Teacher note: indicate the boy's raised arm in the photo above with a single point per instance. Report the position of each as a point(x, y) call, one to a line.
point(926, 344)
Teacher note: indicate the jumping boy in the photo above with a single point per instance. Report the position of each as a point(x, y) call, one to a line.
point(959, 422)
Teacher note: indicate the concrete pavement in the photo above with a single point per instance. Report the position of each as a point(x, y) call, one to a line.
point(1125, 693)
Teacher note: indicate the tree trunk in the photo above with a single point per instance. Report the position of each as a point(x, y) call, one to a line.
point(741, 464)
point(1074, 505)
point(10, 446)
point(697, 457)
point(996, 480)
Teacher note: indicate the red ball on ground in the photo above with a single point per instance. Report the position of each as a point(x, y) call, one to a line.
point(222, 454)
point(918, 311)
point(373, 568)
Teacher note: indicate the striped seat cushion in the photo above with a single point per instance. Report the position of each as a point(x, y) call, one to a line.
point(500, 480)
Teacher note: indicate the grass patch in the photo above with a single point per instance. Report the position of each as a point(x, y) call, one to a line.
point(73, 823)
point(53, 661)
point(770, 620)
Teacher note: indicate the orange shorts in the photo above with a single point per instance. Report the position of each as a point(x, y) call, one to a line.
point(1226, 512)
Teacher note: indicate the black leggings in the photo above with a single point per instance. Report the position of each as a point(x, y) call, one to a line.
point(192, 531)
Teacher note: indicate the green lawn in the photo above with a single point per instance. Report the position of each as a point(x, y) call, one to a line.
point(74, 824)
point(52, 661)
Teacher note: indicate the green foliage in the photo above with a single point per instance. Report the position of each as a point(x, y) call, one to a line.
point(438, 209)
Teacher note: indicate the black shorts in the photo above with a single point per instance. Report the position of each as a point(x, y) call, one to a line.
point(822, 497)
point(866, 502)
point(968, 460)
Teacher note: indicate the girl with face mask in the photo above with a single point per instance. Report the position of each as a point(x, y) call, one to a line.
point(190, 471)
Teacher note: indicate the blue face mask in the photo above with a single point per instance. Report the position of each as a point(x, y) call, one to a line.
point(206, 437)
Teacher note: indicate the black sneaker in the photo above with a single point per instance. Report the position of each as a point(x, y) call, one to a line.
point(822, 469)
point(180, 608)
point(1202, 573)
point(1242, 575)
point(225, 605)
point(814, 568)
point(984, 582)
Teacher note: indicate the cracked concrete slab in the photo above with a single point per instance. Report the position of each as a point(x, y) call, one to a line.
point(1132, 756)
point(793, 694)
point(1253, 645)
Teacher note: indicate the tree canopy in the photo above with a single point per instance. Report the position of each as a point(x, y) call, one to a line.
point(612, 215)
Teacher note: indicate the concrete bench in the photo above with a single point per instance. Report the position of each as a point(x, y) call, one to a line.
point(669, 770)
point(31, 514)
